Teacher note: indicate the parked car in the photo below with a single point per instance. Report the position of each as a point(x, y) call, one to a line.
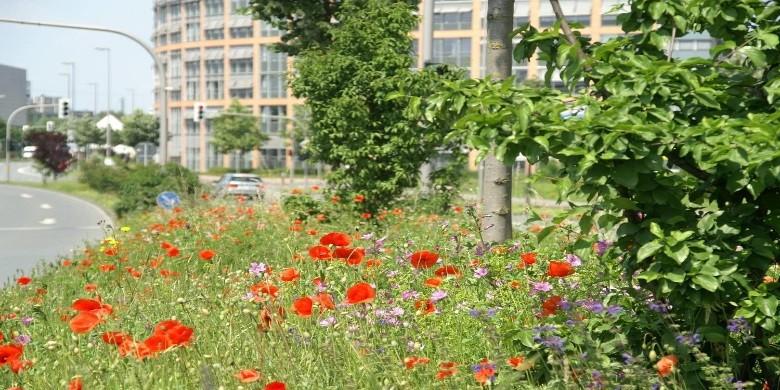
point(29, 151)
point(240, 184)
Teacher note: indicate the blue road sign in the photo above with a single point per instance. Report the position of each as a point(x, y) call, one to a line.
point(168, 200)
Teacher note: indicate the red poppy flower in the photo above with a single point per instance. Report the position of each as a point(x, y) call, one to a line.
point(265, 288)
point(335, 239)
point(319, 252)
point(10, 352)
point(433, 282)
point(373, 263)
point(24, 280)
point(166, 245)
point(426, 306)
point(412, 361)
point(75, 384)
point(321, 217)
point(107, 267)
point(84, 322)
point(360, 293)
point(366, 215)
point(560, 269)
point(247, 376)
point(92, 306)
point(528, 259)
point(666, 365)
point(207, 254)
point(110, 251)
point(157, 343)
point(551, 305)
point(335, 199)
point(353, 256)
point(276, 386)
point(447, 270)
point(516, 362)
point(359, 198)
point(115, 338)
point(312, 232)
point(484, 372)
point(173, 252)
point(302, 306)
point(290, 275)
point(325, 301)
point(424, 259)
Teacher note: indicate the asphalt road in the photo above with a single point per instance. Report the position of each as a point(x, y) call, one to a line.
point(38, 225)
point(21, 171)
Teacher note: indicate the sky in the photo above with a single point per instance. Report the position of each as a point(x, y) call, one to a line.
point(41, 50)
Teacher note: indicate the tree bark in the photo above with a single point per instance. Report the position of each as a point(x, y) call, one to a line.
point(497, 176)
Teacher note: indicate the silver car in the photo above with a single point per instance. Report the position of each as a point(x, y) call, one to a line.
point(240, 184)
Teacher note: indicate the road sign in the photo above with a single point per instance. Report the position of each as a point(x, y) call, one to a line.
point(168, 200)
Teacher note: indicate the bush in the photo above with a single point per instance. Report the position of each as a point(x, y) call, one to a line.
point(102, 178)
point(140, 189)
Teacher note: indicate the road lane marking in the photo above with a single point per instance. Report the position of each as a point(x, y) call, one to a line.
point(48, 221)
point(45, 206)
point(26, 196)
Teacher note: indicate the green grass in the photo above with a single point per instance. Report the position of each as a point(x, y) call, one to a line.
point(481, 317)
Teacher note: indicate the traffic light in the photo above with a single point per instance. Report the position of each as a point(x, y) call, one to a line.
point(198, 112)
point(64, 109)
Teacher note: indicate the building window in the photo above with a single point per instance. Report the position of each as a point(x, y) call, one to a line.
point(215, 84)
point(452, 20)
point(266, 30)
point(193, 32)
point(175, 12)
point(273, 69)
point(175, 37)
point(161, 15)
point(520, 20)
point(241, 32)
point(238, 5)
point(214, 159)
point(452, 51)
point(215, 68)
point(193, 89)
point(192, 9)
point(241, 93)
point(271, 119)
point(609, 20)
point(214, 33)
point(215, 89)
point(214, 8)
point(241, 66)
point(162, 40)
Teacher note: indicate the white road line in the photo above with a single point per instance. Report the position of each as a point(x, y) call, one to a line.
point(26, 196)
point(38, 228)
point(45, 206)
point(48, 221)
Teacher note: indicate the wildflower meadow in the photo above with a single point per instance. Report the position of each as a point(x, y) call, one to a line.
point(234, 294)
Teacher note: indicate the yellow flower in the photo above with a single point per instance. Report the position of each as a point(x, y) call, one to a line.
point(125, 229)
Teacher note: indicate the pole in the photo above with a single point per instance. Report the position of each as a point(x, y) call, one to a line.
point(67, 77)
point(8, 134)
point(427, 54)
point(157, 62)
point(72, 82)
point(95, 95)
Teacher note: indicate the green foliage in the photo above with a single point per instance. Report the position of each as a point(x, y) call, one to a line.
point(365, 103)
point(679, 159)
point(236, 129)
point(86, 132)
point(102, 178)
point(139, 127)
point(143, 183)
point(302, 206)
point(306, 24)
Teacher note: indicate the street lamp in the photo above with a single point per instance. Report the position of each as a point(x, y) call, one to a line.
point(67, 76)
point(108, 78)
point(72, 82)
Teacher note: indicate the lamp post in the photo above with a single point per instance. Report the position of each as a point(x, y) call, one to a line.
point(108, 77)
point(72, 83)
point(67, 77)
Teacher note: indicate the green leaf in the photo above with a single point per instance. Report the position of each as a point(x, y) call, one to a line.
point(545, 232)
point(678, 253)
point(756, 56)
point(768, 306)
point(656, 230)
point(625, 174)
point(769, 39)
point(657, 9)
point(648, 250)
point(677, 276)
point(709, 283)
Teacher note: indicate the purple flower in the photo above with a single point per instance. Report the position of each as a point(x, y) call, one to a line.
point(481, 249)
point(330, 321)
point(474, 313)
point(658, 307)
point(553, 342)
point(541, 287)
point(410, 294)
point(573, 259)
point(738, 325)
point(593, 306)
point(602, 246)
point(26, 321)
point(627, 358)
point(367, 236)
point(480, 272)
point(257, 269)
point(248, 296)
point(23, 339)
point(689, 339)
point(391, 274)
point(490, 312)
point(614, 310)
point(438, 295)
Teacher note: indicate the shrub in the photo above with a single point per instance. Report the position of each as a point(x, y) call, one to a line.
point(102, 178)
point(140, 189)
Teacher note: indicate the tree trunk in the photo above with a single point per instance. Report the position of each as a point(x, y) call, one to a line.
point(497, 177)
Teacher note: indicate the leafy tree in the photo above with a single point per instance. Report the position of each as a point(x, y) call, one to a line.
point(86, 132)
point(680, 160)
point(52, 154)
point(361, 125)
point(306, 24)
point(139, 127)
point(237, 130)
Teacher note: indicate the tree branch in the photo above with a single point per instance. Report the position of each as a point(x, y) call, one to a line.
point(687, 166)
point(556, 6)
